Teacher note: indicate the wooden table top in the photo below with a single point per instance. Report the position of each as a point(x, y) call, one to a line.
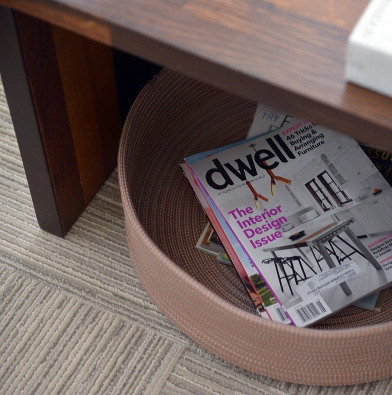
point(287, 54)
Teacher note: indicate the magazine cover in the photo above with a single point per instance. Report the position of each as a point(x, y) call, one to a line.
point(267, 119)
point(208, 241)
point(310, 211)
point(204, 243)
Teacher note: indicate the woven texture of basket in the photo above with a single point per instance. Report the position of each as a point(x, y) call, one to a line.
point(175, 116)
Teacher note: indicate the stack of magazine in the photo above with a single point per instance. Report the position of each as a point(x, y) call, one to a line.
point(303, 214)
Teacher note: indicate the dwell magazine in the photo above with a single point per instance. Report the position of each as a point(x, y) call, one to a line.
point(310, 212)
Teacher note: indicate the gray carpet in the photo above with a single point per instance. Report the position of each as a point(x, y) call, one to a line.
point(75, 319)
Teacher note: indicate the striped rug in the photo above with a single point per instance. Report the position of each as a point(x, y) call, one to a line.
point(74, 318)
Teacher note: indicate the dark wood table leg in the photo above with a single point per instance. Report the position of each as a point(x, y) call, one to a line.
point(62, 96)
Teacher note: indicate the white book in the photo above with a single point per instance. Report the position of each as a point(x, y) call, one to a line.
point(369, 48)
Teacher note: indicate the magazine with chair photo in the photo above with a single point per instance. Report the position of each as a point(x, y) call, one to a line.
point(311, 212)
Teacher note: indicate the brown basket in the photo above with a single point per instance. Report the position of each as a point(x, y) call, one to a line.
point(173, 117)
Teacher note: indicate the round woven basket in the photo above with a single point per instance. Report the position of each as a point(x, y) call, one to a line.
point(175, 116)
